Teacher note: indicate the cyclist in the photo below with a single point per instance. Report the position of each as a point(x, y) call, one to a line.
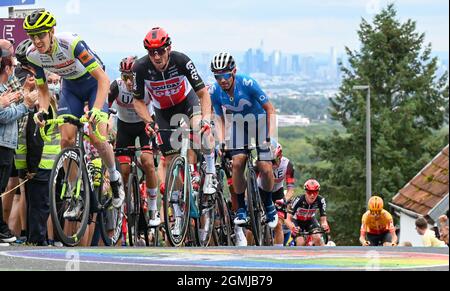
point(377, 228)
point(283, 171)
point(129, 127)
point(176, 89)
point(242, 99)
point(301, 214)
point(83, 79)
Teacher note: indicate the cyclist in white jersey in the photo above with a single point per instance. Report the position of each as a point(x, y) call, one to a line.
point(129, 127)
point(283, 171)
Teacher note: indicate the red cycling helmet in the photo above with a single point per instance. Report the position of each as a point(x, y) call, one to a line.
point(312, 185)
point(156, 38)
point(126, 64)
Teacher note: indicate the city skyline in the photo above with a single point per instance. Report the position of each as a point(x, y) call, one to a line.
point(294, 27)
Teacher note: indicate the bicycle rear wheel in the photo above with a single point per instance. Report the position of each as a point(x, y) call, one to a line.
point(110, 219)
point(176, 201)
point(255, 207)
point(133, 209)
point(222, 224)
point(69, 188)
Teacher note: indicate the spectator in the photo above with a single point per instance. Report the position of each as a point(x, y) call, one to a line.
point(443, 228)
point(9, 114)
point(428, 236)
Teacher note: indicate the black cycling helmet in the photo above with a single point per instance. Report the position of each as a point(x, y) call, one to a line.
point(21, 51)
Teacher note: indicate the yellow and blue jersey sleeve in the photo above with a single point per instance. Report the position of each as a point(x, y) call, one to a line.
point(87, 58)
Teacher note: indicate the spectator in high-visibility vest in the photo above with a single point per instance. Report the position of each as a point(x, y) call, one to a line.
point(34, 160)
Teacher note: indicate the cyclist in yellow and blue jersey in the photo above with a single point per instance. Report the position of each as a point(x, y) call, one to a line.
point(83, 80)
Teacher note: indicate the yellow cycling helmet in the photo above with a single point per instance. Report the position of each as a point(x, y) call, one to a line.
point(376, 204)
point(39, 21)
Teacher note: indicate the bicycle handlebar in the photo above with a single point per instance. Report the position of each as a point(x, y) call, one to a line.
point(78, 122)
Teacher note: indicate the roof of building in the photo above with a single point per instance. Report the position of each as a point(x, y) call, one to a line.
point(427, 193)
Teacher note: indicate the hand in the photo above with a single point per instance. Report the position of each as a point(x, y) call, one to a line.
point(30, 98)
point(366, 243)
point(326, 227)
point(205, 126)
point(295, 230)
point(39, 118)
point(96, 116)
point(150, 129)
point(394, 244)
point(30, 176)
point(272, 144)
point(29, 83)
point(5, 98)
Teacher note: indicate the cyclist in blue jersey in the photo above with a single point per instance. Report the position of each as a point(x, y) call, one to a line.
point(239, 101)
point(83, 80)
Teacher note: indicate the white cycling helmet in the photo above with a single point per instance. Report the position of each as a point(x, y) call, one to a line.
point(222, 62)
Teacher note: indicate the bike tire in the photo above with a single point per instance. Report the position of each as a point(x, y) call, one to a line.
point(254, 207)
point(132, 209)
point(176, 168)
point(107, 214)
point(58, 206)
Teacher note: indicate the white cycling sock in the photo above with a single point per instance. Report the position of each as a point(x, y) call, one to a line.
point(153, 198)
point(176, 207)
point(210, 164)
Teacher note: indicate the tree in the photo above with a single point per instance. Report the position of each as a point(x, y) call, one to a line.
point(408, 103)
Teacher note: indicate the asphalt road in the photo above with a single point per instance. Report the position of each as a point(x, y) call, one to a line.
point(223, 258)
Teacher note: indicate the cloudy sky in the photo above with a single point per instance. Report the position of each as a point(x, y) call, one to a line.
point(294, 26)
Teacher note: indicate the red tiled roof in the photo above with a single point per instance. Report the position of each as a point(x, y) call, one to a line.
point(427, 188)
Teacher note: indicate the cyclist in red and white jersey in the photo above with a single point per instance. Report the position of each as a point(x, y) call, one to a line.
point(129, 127)
point(177, 92)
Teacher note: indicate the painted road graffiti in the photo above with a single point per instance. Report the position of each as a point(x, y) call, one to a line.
point(250, 258)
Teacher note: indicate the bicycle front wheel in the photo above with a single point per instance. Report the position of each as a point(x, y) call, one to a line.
point(255, 207)
point(69, 196)
point(176, 201)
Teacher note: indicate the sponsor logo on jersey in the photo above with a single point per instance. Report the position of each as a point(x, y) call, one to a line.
point(85, 57)
point(64, 45)
point(60, 56)
point(194, 74)
point(169, 87)
point(239, 107)
point(247, 82)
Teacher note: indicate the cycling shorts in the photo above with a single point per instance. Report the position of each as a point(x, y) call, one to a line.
point(188, 108)
point(74, 94)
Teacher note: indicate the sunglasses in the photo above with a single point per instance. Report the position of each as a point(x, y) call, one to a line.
point(159, 51)
point(375, 212)
point(225, 76)
point(127, 77)
point(40, 35)
point(312, 193)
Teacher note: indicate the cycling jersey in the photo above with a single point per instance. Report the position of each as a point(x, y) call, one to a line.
point(284, 172)
point(303, 211)
point(179, 80)
point(248, 98)
point(73, 61)
point(124, 102)
point(71, 58)
point(377, 224)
